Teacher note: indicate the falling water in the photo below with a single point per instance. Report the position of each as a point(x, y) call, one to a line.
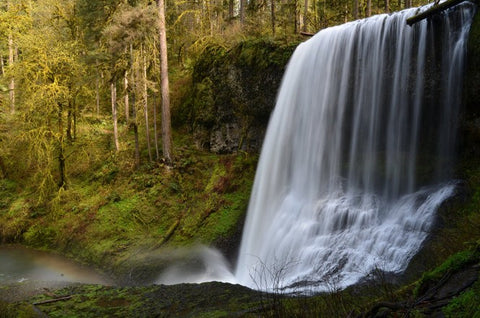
point(357, 154)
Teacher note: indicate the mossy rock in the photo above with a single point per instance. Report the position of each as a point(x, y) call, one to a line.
point(233, 93)
point(470, 117)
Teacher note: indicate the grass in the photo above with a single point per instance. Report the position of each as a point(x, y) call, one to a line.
point(454, 263)
point(466, 305)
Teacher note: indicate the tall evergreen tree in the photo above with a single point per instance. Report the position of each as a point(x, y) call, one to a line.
point(164, 83)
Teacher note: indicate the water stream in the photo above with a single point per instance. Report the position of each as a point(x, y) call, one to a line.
point(20, 264)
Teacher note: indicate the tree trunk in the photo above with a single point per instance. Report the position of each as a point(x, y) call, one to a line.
point(211, 11)
point(387, 6)
point(166, 124)
point(11, 85)
point(243, 5)
point(75, 113)
point(97, 95)
point(61, 160)
point(113, 90)
point(355, 9)
point(369, 8)
point(135, 133)
point(3, 168)
point(315, 16)
point(125, 91)
point(305, 16)
point(69, 125)
point(295, 14)
point(230, 10)
point(324, 19)
point(61, 151)
point(126, 101)
point(155, 130)
point(433, 10)
point(145, 104)
point(272, 11)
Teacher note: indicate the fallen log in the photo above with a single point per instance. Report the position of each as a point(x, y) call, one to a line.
point(388, 305)
point(169, 233)
point(306, 33)
point(48, 301)
point(433, 10)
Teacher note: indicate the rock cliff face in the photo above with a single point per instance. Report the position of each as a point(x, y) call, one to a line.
point(470, 116)
point(450, 227)
point(234, 91)
point(233, 94)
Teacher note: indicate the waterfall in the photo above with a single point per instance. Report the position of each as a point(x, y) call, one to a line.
point(358, 152)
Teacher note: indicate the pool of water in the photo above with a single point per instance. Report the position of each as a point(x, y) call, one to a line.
point(20, 264)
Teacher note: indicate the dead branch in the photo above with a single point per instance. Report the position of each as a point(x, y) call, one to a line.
point(433, 10)
point(48, 301)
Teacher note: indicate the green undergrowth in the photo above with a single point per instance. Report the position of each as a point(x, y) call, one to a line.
point(110, 208)
point(454, 263)
point(466, 305)
point(188, 300)
point(462, 220)
point(21, 310)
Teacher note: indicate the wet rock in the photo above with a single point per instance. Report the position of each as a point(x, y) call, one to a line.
point(234, 92)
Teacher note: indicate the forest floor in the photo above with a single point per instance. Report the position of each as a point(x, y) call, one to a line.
point(115, 216)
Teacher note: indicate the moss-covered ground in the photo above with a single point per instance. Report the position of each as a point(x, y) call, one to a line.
point(112, 210)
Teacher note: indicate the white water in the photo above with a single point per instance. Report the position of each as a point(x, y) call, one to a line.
point(336, 194)
point(196, 265)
